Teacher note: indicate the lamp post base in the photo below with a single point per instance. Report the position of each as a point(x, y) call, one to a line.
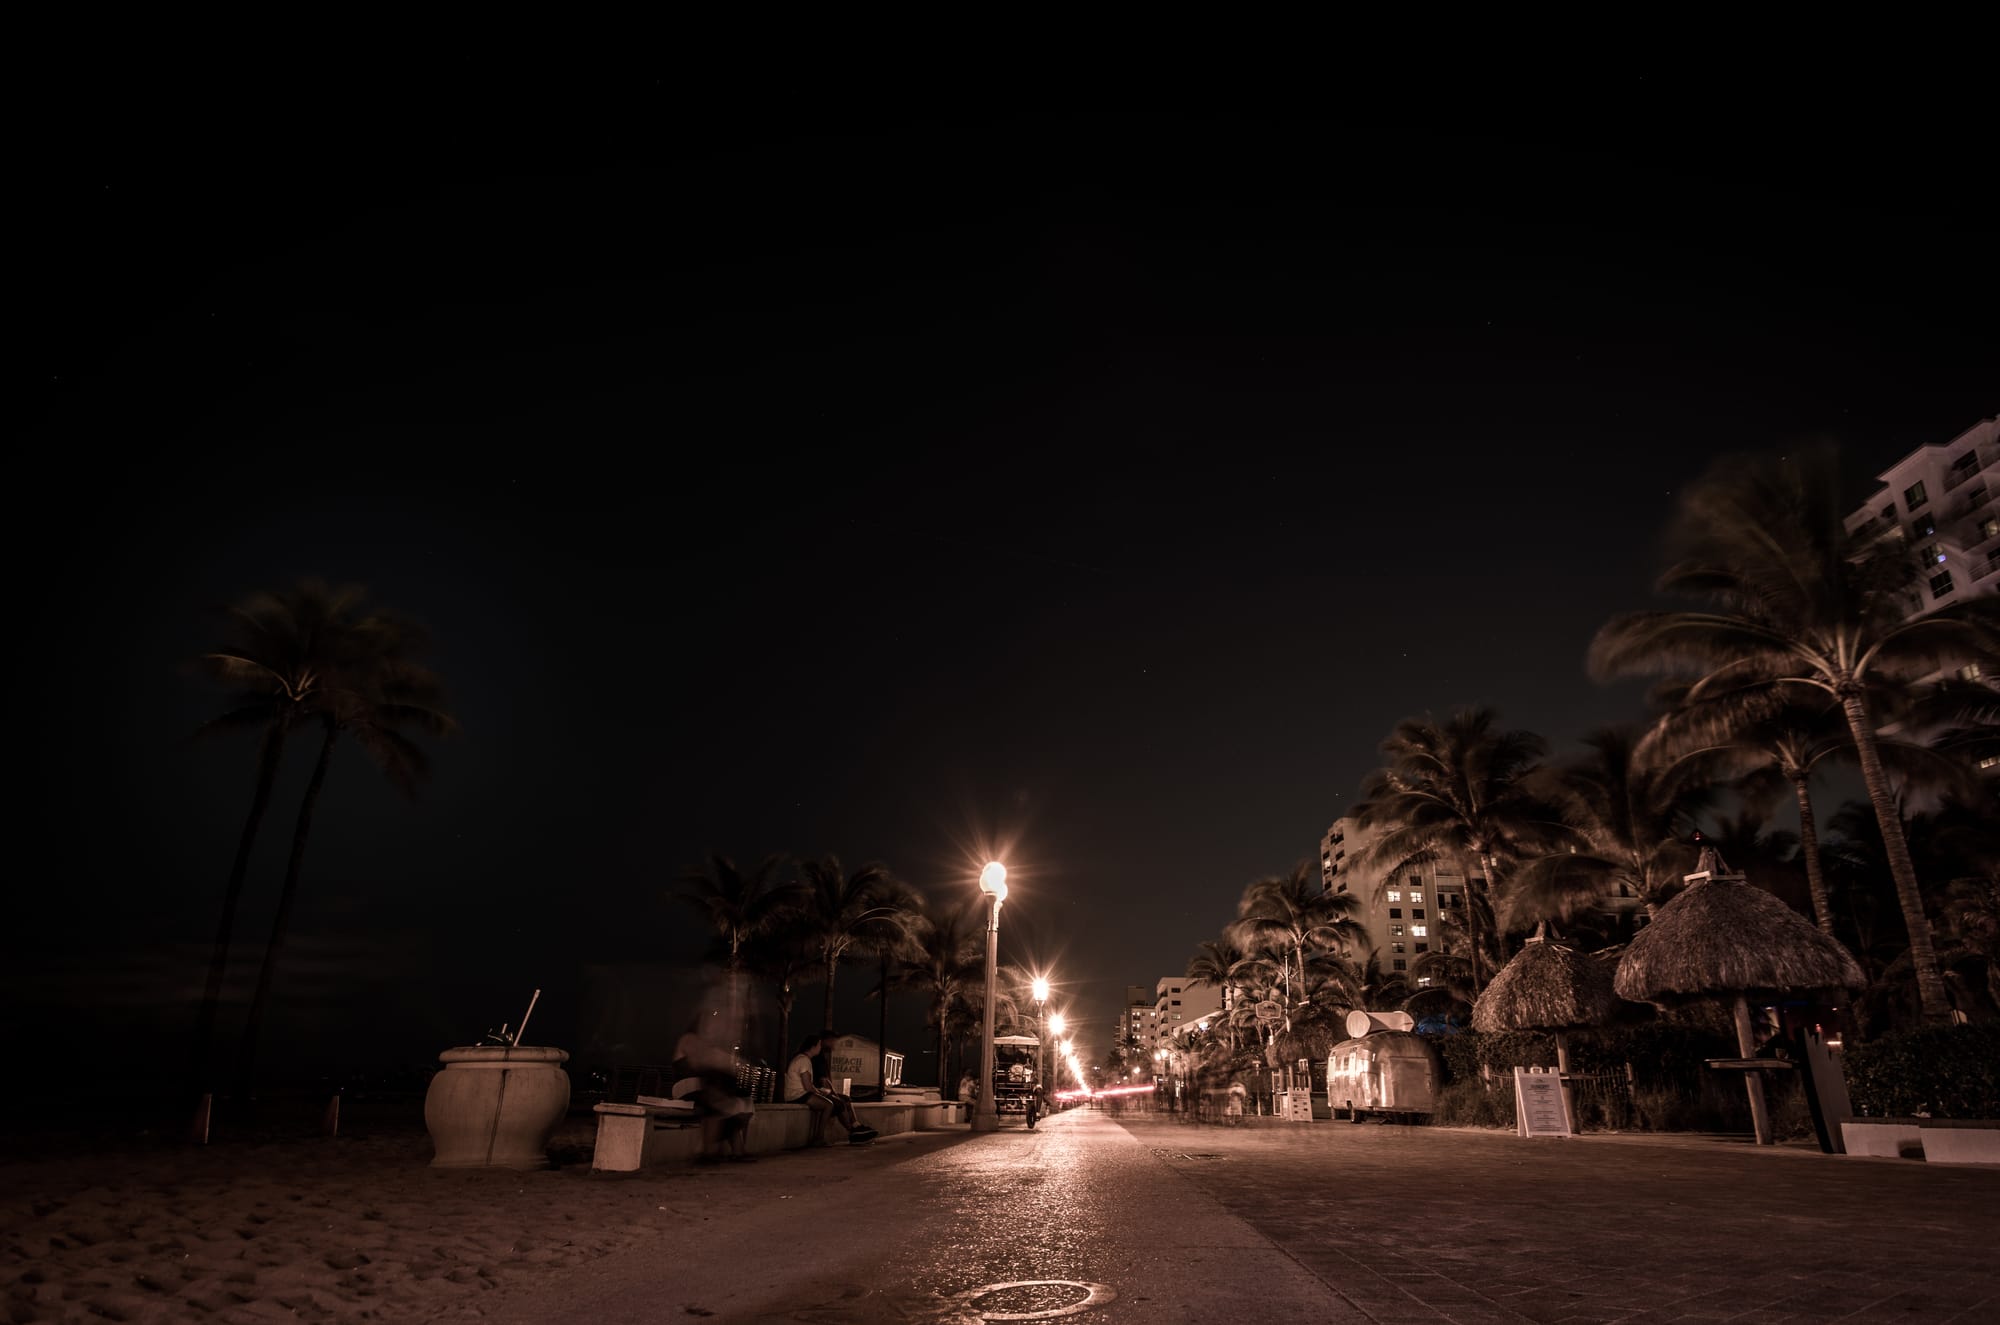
point(985, 1120)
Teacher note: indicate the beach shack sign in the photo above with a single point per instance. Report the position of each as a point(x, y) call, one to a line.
point(854, 1059)
point(1538, 1103)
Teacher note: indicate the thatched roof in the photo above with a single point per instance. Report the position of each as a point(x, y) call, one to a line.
point(1547, 987)
point(1723, 936)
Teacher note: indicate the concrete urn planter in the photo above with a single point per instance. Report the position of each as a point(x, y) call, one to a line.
point(495, 1107)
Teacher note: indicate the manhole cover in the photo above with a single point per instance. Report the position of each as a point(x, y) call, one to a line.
point(1033, 1299)
point(1161, 1152)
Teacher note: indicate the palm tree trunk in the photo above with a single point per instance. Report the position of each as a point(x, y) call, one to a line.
point(246, 1057)
point(943, 1038)
point(1809, 848)
point(1472, 921)
point(882, 1040)
point(269, 754)
point(785, 997)
point(832, 963)
point(1931, 996)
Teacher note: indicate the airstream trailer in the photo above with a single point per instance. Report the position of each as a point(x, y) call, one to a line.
point(1382, 1071)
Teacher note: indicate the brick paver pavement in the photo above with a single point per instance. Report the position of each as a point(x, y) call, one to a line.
point(1417, 1224)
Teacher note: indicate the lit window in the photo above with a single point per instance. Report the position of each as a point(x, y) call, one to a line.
point(1395, 894)
point(1991, 761)
point(1913, 496)
point(1928, 555)
point(1941, 584)
point(1423, 982)
point(1971, 672)
point(1419, 931)
point(1988, 527)
point(1417, 898)
point(1923, 526)
point(1396, 931)
point(1395, 947)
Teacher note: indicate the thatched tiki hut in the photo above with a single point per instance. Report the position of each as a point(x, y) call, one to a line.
point(1548, 986)
point(1722, 937)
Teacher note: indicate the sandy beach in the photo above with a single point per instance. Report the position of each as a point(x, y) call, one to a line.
point(352, 1228)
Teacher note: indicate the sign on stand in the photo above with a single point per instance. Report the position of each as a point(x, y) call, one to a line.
point(1538, 1103)
point(1270, 1013)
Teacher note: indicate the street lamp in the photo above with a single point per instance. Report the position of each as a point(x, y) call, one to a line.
point(992, 882)
point(1040, 989)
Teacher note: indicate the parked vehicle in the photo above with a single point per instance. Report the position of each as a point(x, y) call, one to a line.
point(1383, 1072)
point(1016, 1085)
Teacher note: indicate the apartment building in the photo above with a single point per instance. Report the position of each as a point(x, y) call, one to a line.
point(1139, 1014)
point(1404, 914)
point(1942, 501)
point(1180, 1005)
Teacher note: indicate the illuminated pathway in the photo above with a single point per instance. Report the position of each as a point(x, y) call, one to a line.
point(1321, 1222)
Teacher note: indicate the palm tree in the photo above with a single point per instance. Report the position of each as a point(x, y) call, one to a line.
point(374, 689)
point(948, 957)
point(1781, 735)
point(892, 939)
point(1796, 600)
point(274, 661)
point(1456, 791)
point(740, 905)
point(842, 911)
point(1222, 963)
point(1382, 991)
point(1631, 817)
point(786, 956)
point(1288, 915)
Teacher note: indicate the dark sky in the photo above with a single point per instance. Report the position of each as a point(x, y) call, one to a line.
point(1107, 487)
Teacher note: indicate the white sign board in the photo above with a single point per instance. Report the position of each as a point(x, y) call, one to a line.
point(1538, 1104)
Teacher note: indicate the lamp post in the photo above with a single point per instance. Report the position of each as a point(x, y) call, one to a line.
point(1051, 1031)
point(992, 882)
point(1040, 990)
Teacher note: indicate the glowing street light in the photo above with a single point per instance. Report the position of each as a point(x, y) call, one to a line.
point(993, 883)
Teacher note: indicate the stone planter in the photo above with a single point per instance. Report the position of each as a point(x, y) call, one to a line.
point(494, 1107)
point(1882, 1138)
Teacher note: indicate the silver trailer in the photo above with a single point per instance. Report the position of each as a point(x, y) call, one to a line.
point(1384, 1072)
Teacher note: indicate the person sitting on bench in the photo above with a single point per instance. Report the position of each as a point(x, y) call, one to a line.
point(804, 1086)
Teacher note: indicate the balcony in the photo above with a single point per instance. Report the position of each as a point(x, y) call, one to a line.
point(1969, 503)
point(1960, 472)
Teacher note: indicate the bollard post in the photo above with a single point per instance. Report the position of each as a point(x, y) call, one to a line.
point(330, 1124)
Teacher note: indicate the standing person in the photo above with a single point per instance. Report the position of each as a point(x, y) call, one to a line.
point(804, 1086)
point(705, 1071)
point(1233, 1110)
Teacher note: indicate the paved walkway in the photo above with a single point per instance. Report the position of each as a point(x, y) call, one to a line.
point(1326, 1222)
point(1415, 1224)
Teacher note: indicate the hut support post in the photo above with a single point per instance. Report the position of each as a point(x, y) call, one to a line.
point(1753, 1082)
point(1562, 1073)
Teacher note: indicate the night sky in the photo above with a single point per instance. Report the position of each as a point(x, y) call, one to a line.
point(1103, 487)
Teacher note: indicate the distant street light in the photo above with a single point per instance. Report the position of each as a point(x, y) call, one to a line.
point(992, 882)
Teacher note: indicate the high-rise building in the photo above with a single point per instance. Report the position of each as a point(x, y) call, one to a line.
point(1942, 500)
point(1180, 1005)
point(1404, 913)
point(1139, 1015)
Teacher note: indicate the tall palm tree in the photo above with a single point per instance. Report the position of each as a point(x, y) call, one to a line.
point(843, 911)
point(786, 956)
point(1780, 736)
point(376, 691)
point(948, 956)
point(1631, 818)
point(739, 904)
point(1457, 791)
point(1222, 963)
point(1291, 915)
point(274, 661)
point(892, 940)
point(1794, 599)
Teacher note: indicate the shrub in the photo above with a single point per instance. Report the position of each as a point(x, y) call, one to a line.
point(1939, 1071)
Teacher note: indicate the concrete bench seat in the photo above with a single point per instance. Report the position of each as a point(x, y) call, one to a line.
point(1937, 1140)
